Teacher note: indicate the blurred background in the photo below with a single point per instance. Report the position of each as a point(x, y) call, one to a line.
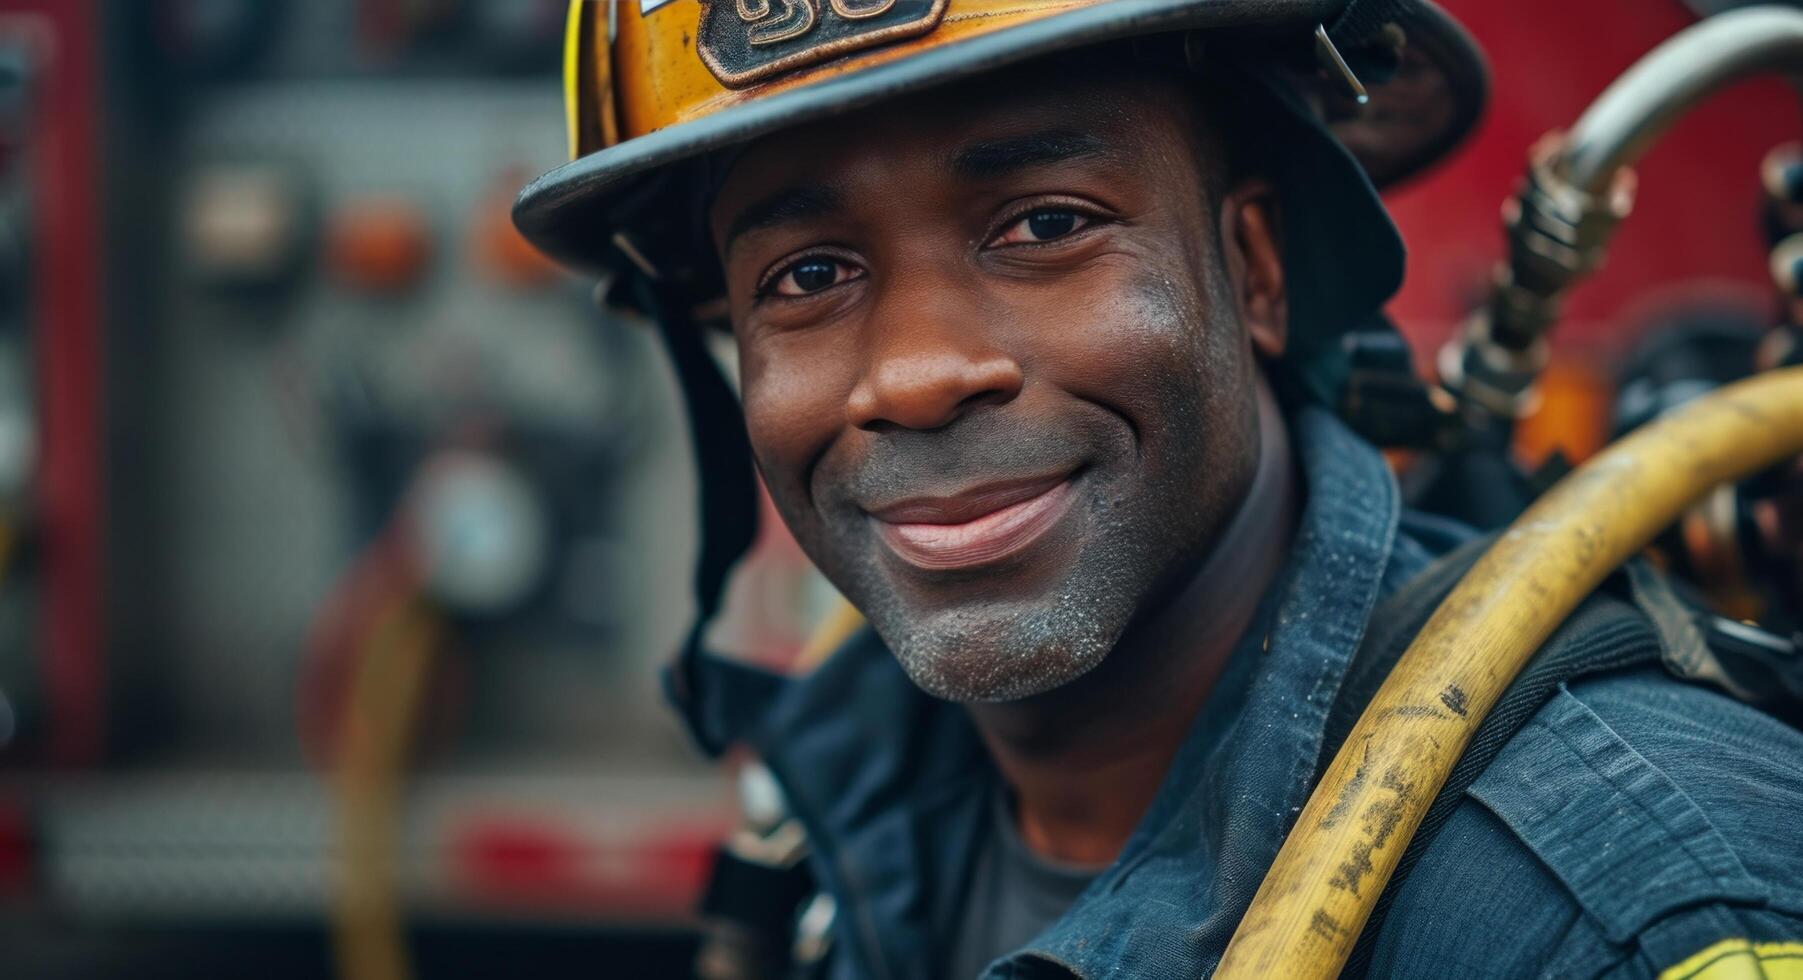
point(290, 417)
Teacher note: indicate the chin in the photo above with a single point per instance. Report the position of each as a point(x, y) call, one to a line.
point(1010, 633)
point(1002, 652)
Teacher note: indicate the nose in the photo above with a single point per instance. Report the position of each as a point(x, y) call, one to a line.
point(925, 370)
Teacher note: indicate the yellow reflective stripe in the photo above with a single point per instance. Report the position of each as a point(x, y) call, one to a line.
point(1738, 959)
point(572, 74)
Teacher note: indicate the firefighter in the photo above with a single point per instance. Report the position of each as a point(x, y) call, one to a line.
point(1037, 307)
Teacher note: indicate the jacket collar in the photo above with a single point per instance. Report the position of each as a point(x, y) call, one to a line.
point(1249, 762)
point(893, 785)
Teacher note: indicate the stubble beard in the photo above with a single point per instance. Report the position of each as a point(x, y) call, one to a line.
point(1005, 651)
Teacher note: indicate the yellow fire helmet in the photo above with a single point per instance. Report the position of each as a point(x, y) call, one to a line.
point(1331, 98)
point(652, 85)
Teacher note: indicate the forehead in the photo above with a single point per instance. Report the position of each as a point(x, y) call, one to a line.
point(1123, 113)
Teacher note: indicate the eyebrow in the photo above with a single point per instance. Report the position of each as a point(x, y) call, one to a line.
point(991, 159)
point(788, 204)
point(982, 160)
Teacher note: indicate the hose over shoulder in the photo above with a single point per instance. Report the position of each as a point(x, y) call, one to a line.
point(1314, 901)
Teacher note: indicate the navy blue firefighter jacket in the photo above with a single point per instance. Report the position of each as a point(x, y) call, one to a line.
point(1637, 826)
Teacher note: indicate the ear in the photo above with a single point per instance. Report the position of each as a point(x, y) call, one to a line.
point(1254, 256)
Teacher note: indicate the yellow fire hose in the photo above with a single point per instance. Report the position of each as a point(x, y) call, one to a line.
point(1315, 899)
point(1333, 866)
point(387, 693)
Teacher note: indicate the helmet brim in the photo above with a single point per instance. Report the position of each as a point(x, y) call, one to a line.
point(574, 212)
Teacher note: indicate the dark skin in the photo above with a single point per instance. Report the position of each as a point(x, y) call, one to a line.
point(1000, 357)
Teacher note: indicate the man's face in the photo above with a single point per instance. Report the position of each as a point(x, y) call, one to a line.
point(993, 365)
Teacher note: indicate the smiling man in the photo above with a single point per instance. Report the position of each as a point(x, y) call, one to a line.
point(1013, 503)
point(1002, 495)
point(1038, 310)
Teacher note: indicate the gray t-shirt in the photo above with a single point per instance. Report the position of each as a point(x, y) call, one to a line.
point(1014, 895)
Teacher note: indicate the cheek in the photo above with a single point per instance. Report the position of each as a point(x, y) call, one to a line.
point(1150, 343)
point(793, 408)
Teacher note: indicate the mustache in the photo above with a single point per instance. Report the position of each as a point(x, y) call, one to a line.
point(973, 450)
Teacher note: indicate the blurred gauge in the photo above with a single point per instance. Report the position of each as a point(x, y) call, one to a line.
point(245, 227)
point(378, 244)
point(482, 532)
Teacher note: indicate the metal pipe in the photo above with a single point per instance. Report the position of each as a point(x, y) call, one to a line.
point(1579, 187)
point(1637, 108)
point(1313, 903)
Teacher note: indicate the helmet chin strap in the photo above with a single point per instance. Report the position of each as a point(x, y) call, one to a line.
point(728, 486)
point(728, 500)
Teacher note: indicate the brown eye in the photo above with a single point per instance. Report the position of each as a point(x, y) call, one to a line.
point(810, 275)
point(1044, 225)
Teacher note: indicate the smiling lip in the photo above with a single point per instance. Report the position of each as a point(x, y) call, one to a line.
point(977, 527)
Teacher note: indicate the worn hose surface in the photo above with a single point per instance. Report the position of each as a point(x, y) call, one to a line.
point(1315, 899)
